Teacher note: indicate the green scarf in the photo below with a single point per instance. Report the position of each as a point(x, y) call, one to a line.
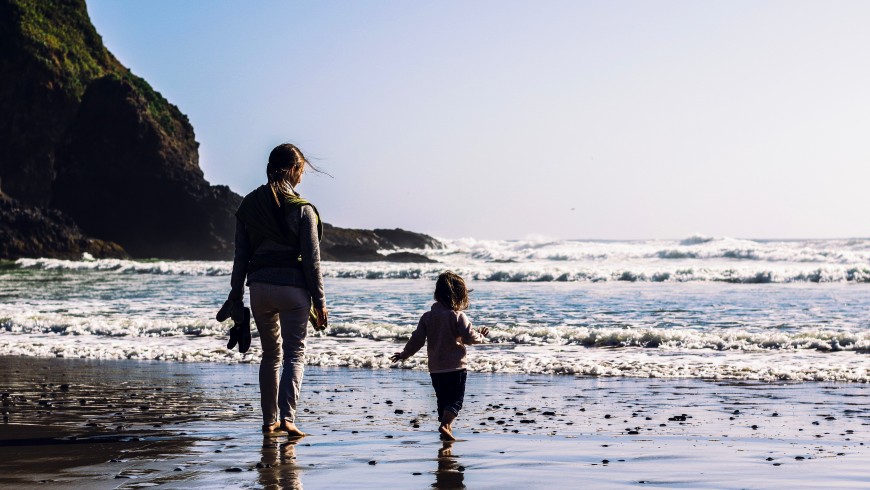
point(299, 202)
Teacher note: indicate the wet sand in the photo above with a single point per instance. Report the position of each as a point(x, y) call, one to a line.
point(131, 424)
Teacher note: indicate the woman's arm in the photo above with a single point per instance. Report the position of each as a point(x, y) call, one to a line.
point(240, 262)
point(309, 246)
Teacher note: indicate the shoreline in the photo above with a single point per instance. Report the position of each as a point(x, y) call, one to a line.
point(352, 350)
point(197, 424)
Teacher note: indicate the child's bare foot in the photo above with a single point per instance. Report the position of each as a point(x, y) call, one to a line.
point(446, 433)
point(446, 428)
point(291, 429)
point(271, 428)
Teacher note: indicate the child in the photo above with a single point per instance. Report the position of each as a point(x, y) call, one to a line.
point(446, 331)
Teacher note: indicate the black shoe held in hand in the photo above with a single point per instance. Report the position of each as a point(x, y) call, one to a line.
point(235, 334)
point(244, 327)
point(229, 307)
point(241, 331)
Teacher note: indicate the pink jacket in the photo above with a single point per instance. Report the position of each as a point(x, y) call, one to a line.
point(445, 333)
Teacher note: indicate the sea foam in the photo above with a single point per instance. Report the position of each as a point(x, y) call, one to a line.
point(696, 258)
point(531, 359)
point(153, 331)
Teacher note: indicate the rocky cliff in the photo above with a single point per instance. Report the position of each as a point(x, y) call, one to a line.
point(124, 176)
point(49, 53)
point(89, 147)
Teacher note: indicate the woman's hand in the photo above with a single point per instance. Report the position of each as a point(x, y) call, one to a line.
point(483, 331)
point(397, 357)
point(322, 316)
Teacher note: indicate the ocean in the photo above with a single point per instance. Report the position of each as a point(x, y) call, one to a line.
point(701, 307)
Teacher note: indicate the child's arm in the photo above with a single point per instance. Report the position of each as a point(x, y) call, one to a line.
point(469, 335)
point(415, 343)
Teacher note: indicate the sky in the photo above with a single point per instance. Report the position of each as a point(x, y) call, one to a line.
point(517, 120)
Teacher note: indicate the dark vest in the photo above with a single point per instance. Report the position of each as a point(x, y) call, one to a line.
point(264, 219)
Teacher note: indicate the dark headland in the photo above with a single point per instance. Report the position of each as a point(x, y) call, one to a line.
point(93, 159)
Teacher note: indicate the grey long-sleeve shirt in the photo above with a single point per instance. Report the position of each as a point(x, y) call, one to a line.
point(445, 333)
point(302, 221)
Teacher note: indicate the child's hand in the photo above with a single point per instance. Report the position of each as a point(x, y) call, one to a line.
point(396, 357)
point(483, 331)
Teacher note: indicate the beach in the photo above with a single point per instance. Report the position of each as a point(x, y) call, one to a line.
point(132, 424)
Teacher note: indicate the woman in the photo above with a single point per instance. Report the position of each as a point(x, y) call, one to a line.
point(278, 250)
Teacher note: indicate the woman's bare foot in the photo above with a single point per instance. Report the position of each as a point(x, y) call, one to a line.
point(291, 429)
point(271, 428)
point(446, 433)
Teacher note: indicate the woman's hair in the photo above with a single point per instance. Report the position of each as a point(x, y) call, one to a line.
point(286, 164)
point(450, 291)
point(284, 161)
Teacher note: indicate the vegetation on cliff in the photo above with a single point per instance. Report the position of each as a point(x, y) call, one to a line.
point(59, 36)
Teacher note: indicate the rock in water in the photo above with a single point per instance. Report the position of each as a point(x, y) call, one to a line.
point(347, 244)
point(400, 238)
point(35, 231)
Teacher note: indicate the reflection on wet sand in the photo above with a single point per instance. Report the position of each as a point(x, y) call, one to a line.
point(450, 474)
point(277, 467)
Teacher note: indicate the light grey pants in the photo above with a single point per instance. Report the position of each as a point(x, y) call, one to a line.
point(281, 313)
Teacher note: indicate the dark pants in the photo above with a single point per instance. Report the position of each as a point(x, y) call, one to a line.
point(449, 390)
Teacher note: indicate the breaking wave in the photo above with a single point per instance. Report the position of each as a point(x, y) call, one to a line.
point(757, 273)
point(164, 267)
point(820, 340)
point(150, 333)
